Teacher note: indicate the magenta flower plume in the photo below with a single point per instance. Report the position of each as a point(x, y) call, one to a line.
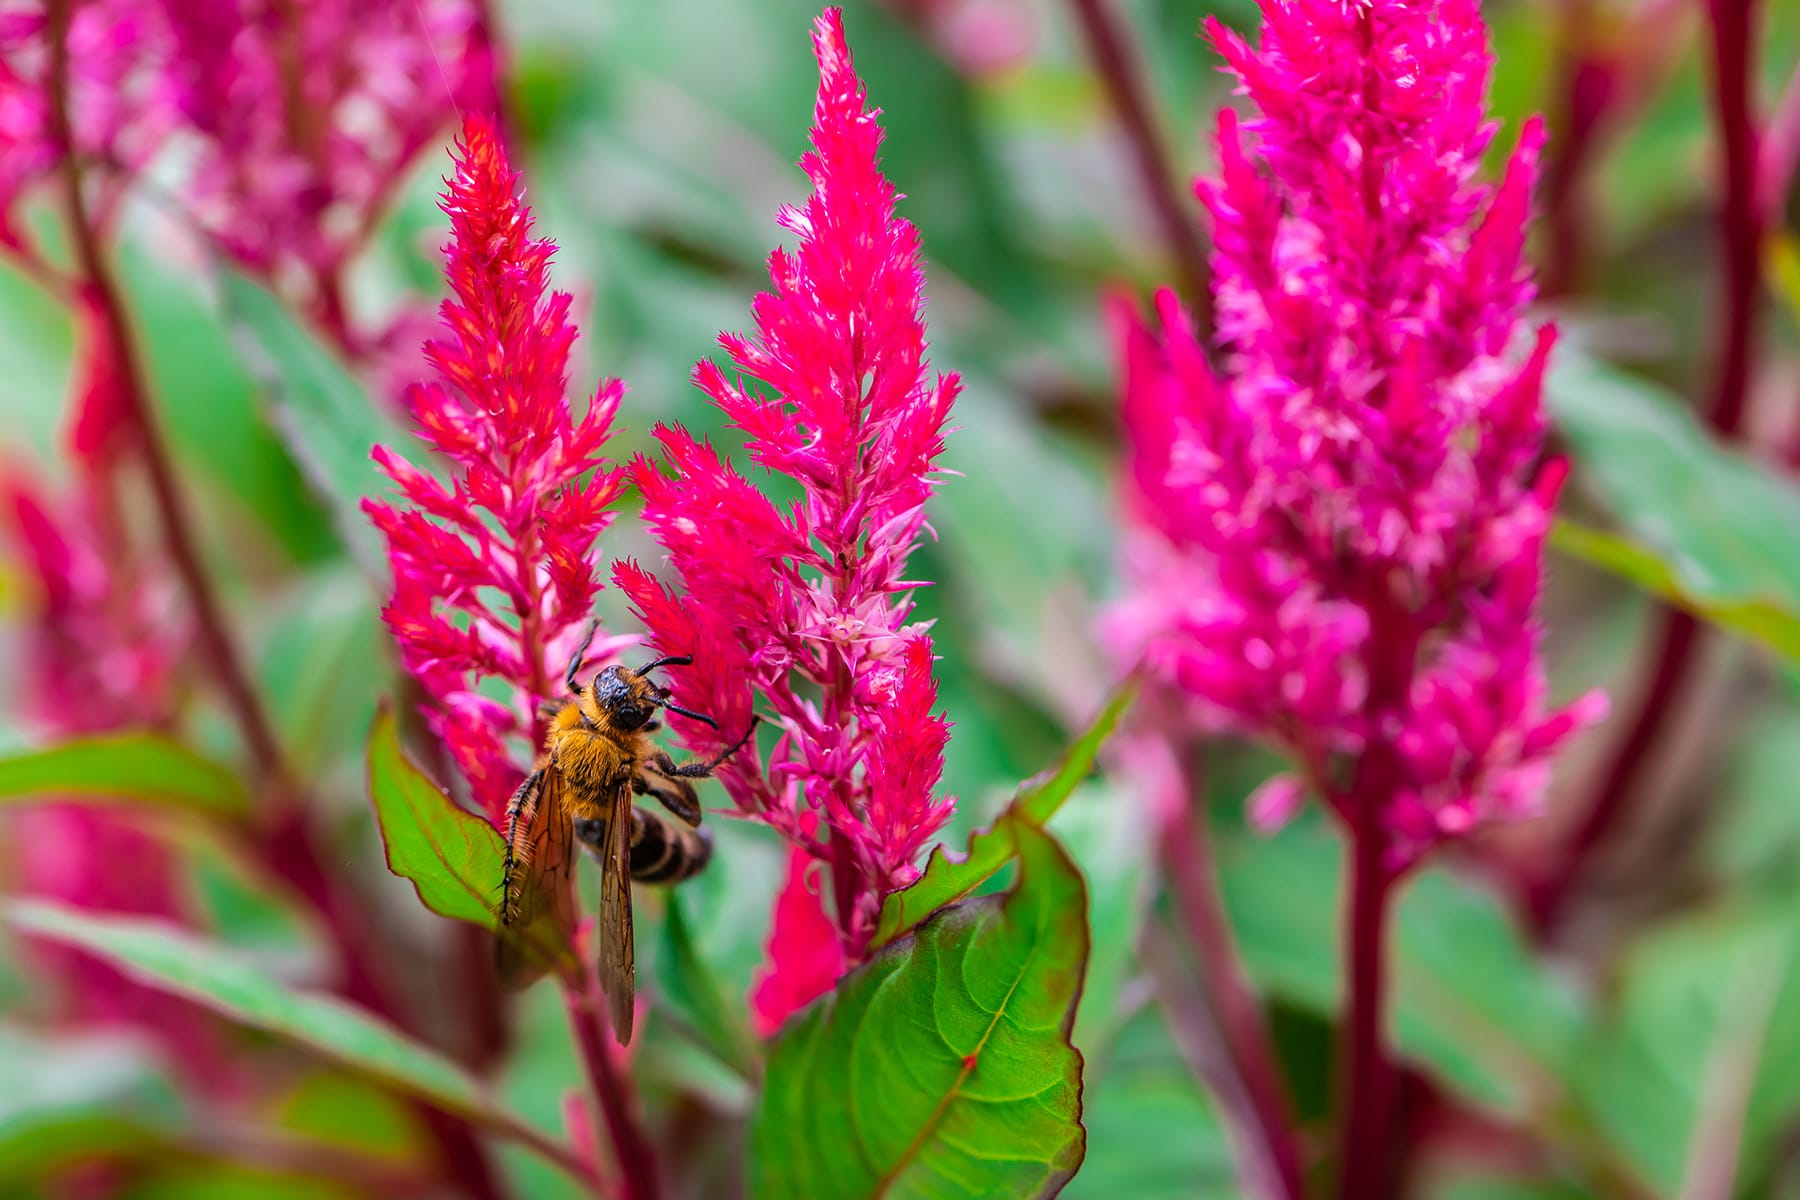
point(1338, 544)
point(306, 119)
point(492, 571)
point(810, 605)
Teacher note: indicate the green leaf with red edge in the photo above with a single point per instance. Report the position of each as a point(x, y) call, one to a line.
point(145, 768)
point(943, 1066)
point(163, 956)
point(453, 858)
point(946, 880)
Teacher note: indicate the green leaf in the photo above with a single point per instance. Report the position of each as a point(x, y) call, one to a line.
point(141, 767)
point(942, 1067)
point(71, 1098)
point(453, 858)
point(693, 995)
point(162, 956)
point(945, 880)
point(1469, 1000)
point(1153, 1132)
point(323, 415)
point(1709, 528)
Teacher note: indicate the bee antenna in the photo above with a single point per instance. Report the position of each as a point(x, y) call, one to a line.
point(668, 660)
point(689, 713)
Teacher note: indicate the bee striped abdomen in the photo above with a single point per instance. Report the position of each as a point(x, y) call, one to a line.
point(665, 852)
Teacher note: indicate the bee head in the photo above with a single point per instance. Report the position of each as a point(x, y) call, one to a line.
point(627, 698)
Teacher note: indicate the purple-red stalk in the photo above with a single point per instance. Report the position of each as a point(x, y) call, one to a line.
point(1108, 44)
point(1741, 223)
point(615, 1113)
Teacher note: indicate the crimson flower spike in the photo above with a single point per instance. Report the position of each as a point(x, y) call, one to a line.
point(492, 571)
point(809, 606)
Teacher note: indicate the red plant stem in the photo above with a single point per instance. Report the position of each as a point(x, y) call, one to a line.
point(1368, 1097)
point(1740, 225)
point(284, 843)
point(1584, 92)
point(1188, 864)
point(616, 1117)
point(1109, 48)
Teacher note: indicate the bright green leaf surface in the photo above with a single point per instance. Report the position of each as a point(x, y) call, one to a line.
point(687, 985)
point(943, 1067)
point(945, 881)
point(453, 858)
point(161, 956)
point(139, 767)
point(1712, 529)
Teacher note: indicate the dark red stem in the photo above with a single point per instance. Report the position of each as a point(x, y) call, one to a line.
point(1114, 60)
point(1740, 226)
point(283, 843)
point(1584, 92)
point(1188, 863)
point(1367, 1102)
point(617, 1117)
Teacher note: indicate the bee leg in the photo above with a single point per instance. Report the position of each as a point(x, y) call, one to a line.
point(526, 798)
point(701, 770)
point(672, 791)
point(580, 656)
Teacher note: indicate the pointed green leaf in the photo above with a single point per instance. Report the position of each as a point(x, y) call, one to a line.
point(173, 960)
point(943, 1067)
point(141, 767)
point(1709, 528)
point(946, 880)
point(693, 995)
point(323, 415)
point(453, 858)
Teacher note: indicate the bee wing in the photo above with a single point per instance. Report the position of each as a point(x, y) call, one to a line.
point(537, 906)
point(618, 969)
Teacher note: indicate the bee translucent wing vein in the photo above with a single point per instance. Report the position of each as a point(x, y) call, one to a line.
point(617, 951)
point(539, 849)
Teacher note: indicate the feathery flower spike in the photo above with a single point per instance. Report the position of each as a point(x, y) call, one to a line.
point(492, 571)
point(808, 606)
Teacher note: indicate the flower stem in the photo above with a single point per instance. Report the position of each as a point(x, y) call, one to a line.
point(1109, 48)
point(1368, 1096)
point(616, 1107)
point(1740, 227)
point(1188, 865)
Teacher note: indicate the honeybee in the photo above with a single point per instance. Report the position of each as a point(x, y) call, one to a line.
point(597, 755)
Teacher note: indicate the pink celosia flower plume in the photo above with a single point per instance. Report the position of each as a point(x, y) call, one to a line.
point(492, 571)
point(1338, 541)
point(809, 606)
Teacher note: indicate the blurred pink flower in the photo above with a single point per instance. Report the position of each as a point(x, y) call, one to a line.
point(308, 117)
point(103, 638)
point(1338, 544)
point(805, 957)
point(492, 571)
point(809, 605)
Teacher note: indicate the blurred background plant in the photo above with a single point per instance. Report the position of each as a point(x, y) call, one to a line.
point(218, 258)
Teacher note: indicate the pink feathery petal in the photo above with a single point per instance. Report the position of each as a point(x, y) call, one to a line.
point(804, 957)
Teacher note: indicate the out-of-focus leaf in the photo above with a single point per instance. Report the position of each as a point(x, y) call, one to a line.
point(1712, 529)
point(348, 1111)
point(144, 768)
point(1775, 625)
point(945, 881)
point(207, 403)
point(251, 912)
point(327, 421)
point(1097, 826)
point(943, 1063)
point(453, 858)
point(162, 956)
point(1153, 1132)
point(1702, 1054)
point(1469, 1000)
point(70, 1098)
point(694, 996)
point(321, 671)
